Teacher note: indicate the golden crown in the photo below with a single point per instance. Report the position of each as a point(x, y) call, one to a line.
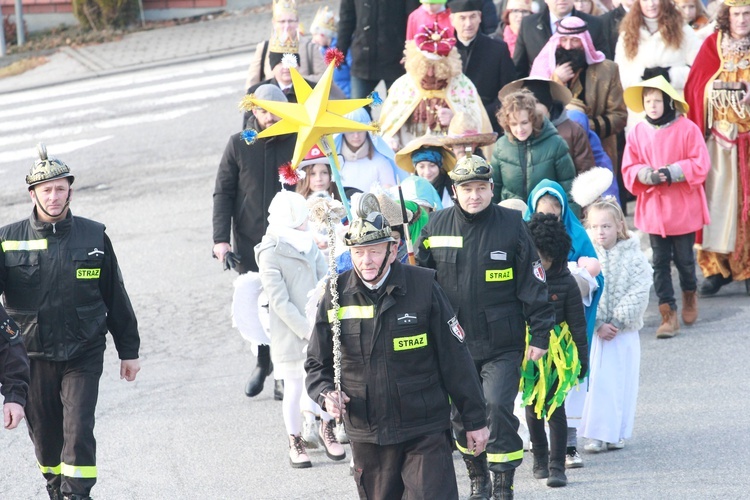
point(737, 3)
point(283, 42)
point(284, 7)
point(324, 22)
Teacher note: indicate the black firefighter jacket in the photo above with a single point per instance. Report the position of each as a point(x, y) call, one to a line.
point(375, 31)
point(489, 268)
point(62, 285)
point(402, 356)
point(247, 181)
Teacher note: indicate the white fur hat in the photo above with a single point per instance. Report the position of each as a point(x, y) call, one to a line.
point(287, 209)
point(590, 185)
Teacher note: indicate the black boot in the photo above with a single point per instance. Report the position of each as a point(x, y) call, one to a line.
point(54, 492)
point(713, 284)
point(263, 368)
point(541, 464)
point(278, 390)
point(557, 477)
point(479, 475)
point(502, 487)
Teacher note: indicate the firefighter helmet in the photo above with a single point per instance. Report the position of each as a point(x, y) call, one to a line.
point(369, 226)
point(46, 169)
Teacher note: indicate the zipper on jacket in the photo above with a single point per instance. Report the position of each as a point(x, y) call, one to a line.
point(54, 229)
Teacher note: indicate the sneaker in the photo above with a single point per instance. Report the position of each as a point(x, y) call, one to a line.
point(310, 433)
point(298, 458)
point(616, 446)
point(594, 446)
point(573, 460)
point(327, 434)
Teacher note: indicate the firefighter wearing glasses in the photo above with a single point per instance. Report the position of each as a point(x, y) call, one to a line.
point(490, 270)
point(402, 356)
point(61, 283)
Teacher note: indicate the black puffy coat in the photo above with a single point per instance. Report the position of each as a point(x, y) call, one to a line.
point(565, 296)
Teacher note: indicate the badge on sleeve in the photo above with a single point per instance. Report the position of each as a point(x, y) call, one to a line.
point(9, 329)
point(456, 329)
point(539, 271)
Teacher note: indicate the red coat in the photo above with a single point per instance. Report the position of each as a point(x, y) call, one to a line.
point(679, 208)
point(703, 71)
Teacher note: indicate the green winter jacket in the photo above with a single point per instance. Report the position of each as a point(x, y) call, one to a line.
point(519, 166)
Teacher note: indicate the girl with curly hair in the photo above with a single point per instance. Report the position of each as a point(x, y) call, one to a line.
point(654, 40)
point(530, 151)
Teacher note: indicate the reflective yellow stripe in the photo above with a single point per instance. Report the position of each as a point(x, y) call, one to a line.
point(47, 469)
point(83, 471)
point(407, 343)
point(88, 274)
point(352, 312)
point(498, 274)
point(495, 457)
point(11, 245)
point(444, 242)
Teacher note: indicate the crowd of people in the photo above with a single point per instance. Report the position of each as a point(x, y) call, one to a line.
point(509, 143)
point(485, 262)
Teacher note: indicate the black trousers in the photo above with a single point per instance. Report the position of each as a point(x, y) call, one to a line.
point(680, 250)
point(558, 434)
point(500, 378)
point(422, 468)
point(60, 417)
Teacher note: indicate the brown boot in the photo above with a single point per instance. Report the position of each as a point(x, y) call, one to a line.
point(669, 322)
point(689, 307)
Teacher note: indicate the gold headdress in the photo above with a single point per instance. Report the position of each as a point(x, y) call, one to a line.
point(737, 3)
point(283, 42)
point(324, 22)
point(284, 7)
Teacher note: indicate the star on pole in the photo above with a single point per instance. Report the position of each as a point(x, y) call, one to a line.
point(313, 117)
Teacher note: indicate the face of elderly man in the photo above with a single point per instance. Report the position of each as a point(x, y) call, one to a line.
point(559, 8)
point(466, 24)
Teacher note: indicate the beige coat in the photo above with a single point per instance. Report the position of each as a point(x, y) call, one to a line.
point(311, 64)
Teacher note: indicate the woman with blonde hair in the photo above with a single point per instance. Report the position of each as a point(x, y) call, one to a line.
point(654, 40)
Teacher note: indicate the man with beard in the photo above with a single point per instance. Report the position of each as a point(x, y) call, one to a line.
point(486, 61)
point(570, 58)
point(718, 93)
point(537, 29)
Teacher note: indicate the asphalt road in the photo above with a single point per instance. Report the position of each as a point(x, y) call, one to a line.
point(185, 429)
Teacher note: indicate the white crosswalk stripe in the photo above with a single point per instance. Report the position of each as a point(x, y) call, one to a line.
point(83, 114)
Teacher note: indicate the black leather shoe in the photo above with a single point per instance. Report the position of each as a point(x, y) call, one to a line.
point(278, 390)
point(713, 284)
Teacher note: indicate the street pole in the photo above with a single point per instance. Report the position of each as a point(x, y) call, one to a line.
point(2, 36)
point(20, 35)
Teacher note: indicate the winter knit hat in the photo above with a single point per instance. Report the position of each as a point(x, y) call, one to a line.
point(287, 209)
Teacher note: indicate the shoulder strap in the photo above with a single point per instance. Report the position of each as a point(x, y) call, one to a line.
point(263, 61)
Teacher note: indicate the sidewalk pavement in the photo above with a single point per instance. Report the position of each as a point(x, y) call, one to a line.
point(235, 32)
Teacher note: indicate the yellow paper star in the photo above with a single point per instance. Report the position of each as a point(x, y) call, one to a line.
point(313, 116)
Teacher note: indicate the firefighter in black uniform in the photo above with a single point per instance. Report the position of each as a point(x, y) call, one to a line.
point(62, 285)
point(14, 371)
point(402, 357)
point(490, 270)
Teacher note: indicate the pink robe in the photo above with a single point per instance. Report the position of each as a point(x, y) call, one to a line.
point(679, 208)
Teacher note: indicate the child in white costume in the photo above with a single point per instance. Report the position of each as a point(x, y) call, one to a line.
point(609, 410)
point(290, 265)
